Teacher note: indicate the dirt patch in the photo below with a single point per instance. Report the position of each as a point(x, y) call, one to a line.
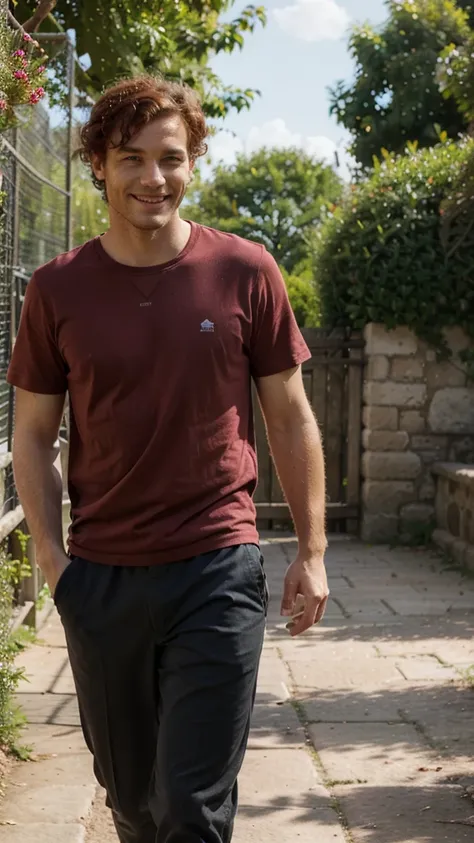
point(101, 828)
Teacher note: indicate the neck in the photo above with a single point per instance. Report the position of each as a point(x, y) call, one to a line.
point(135, 247)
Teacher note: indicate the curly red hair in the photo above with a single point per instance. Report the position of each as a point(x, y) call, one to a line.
point(127, 107)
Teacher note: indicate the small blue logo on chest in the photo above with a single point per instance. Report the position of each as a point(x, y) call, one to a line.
point(207, 327)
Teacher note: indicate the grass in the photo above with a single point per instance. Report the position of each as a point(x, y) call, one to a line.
point(469, 675)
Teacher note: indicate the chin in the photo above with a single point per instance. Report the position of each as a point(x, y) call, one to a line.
point(151, 224)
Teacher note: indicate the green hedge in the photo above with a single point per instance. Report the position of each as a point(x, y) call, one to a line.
point(303, 298)
point(379, 256)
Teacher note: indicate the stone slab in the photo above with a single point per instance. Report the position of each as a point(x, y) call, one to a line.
point(269, 823)
point(283, 825)
point(350, 707)
point(287, 777)
point(407, 369)
point(383, 440)
point(45, 833)
point(273, 676)
point(393, 394)
point(48, 737)
point(55, 709)
point(387, 465)
point(386, 496)
point(64, 684)
point(343, 673)
point(52, 803)
point(43, 668)
point(447, 651)
point(302, 649)
point(419, 606)
point(412, 421)
point(275, 726)
point(53, 769)
point(426, 669)
point(452, 411)
point(387, 813)
point(357, 605)
point(373, 753)
point(52, 632)
point(398, 342)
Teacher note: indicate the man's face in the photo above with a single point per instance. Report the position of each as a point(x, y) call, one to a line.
point(146, 180)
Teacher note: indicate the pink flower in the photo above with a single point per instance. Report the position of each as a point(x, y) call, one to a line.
point(3, 105)
point(41, 69)
point(19, 53)
point(20, 74)
point(37, 95)
point(27, 37)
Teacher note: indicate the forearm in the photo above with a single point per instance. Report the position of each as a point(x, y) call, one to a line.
point(299, 461)
point(39, 486)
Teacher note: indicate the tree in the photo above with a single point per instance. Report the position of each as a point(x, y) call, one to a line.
point(273, 196)
point(122, 38)
point(456, 78)
point(396, 97)
point(89, 211)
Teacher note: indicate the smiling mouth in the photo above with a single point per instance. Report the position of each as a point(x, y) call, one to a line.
point(150, 200)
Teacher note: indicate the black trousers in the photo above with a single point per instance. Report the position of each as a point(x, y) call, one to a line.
point(165, 663)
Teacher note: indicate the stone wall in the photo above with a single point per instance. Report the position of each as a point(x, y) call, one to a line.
point(455, 511)
point(417, 412)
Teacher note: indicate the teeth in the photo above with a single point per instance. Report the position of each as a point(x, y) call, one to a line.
point(156, 201)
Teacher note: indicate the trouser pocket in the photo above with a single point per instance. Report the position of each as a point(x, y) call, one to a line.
point(256, 564)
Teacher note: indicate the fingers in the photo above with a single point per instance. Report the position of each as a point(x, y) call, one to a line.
point(307, 619)
point(313, 614)
point(321, 609)
point(288, 602)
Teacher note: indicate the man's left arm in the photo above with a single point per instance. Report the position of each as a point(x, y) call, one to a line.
point(296, 447)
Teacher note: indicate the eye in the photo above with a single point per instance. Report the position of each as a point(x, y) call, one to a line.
point(132, 158)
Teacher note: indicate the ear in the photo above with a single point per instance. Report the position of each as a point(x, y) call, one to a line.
point(98, 167)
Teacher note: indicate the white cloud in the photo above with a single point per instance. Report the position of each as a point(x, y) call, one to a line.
point(272, 133)
point(275, 133)
point(313, 20)
point(224, 146)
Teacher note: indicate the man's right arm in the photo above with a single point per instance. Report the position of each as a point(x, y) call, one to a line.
point(39, 483)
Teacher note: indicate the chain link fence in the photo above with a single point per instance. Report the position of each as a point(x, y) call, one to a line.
point(35, 221)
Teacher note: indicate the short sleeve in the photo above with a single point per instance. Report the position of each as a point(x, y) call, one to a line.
point(36, 364)
point(277, 343)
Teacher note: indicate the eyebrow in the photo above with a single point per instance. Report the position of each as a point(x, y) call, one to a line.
point(138, 150)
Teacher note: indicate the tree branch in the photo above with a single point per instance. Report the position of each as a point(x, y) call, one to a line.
point(45, 7)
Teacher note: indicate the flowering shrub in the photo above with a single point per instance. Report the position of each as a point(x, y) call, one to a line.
point(22, 73)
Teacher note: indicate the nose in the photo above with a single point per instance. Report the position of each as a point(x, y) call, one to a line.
point(152, 176)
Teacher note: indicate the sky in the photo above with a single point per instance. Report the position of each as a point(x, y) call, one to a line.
point(292, 61)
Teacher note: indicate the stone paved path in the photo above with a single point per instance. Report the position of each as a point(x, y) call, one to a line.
point(363, 730)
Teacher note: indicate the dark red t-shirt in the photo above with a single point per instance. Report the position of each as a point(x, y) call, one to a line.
point(158, 364)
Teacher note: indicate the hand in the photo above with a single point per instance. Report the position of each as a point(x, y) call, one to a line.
point(53, 566)
point(305, 583)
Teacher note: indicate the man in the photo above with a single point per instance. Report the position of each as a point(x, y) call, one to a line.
point(155, 330)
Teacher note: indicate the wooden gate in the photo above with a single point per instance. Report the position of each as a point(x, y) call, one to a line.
point(333, 383)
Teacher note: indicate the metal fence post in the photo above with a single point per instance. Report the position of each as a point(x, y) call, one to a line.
point(71, 63)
